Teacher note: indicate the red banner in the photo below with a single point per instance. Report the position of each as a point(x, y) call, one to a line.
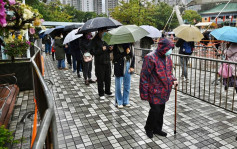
point(223, 18)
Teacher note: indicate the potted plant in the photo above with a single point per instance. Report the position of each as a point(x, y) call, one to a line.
point(17, 47)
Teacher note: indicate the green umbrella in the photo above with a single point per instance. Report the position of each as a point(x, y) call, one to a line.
point(125, 34)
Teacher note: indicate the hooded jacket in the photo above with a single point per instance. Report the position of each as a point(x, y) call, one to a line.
point(156, 77)
point(59, 50)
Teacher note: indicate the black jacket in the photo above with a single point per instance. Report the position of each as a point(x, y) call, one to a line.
point(120, 59)
point(84, 44)
point(101, 56)
point(180, 43)
point(75, 50)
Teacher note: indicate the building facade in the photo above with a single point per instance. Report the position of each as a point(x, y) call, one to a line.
point(227, 17)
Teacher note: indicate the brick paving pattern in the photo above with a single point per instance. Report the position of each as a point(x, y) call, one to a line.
point(85, 121)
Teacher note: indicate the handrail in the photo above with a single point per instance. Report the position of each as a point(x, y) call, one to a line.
point(48, 119)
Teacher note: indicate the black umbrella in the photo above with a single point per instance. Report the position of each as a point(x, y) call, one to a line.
point(69, 28)
point(99, 22)
point(57, 31)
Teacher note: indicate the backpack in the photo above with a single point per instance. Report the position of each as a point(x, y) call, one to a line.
point(187, 49)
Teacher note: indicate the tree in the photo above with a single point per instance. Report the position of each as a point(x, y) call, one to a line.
point(51, 12)
point(134, 12)
point(191, 16)
point(162, 14)
point(142, 12)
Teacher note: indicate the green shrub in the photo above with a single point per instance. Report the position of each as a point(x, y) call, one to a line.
point(6, 137)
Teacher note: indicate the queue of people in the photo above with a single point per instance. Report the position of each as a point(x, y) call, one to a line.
point(155, 66)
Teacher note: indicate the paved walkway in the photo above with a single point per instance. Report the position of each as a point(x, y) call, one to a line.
point(85, 121)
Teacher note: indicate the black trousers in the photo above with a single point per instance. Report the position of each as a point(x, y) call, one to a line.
point(69, 59)
point(53, 55)
point(87, 68)
point(103, 74)
point(155, 118)
point(79, 65)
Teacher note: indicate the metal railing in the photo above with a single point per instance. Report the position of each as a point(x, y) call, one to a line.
point(204, 82)
point(46, 136)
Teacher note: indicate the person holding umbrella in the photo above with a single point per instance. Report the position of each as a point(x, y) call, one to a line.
point(84, 48)
point(186, 48)
point(156, 80)
point(102, 51)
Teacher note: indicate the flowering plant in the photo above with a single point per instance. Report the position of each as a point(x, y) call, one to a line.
point(17, 47)
point(14, 15)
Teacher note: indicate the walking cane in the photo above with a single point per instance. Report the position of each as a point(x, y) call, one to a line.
point(175, 112)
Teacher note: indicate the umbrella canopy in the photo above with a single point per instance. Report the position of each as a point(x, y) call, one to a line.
point(99, 22)
point(188, 33)
point(58, 30)
point(226, 33)
point(41, 31)
point(153, 32)
point(69, 28)
point(125, 34)
point(71, 36)
point(48, 31)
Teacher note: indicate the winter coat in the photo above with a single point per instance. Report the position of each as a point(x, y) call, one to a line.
point(84, 44)
point(101, 56)
point(180, 43)
point(59, 50)
point(67, 50)
point(231, 55)
point(156, 77)
point(120, 59)
point(75, 50)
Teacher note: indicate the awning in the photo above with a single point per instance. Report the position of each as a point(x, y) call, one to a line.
point(206, 24)
point(200, 2)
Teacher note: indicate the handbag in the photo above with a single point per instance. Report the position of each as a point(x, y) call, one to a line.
point(53, 50)
point(87, 57)
point(225, 70)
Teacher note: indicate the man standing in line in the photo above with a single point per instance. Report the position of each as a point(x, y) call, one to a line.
point(156, 82)
point(186, 48)
point(102, 51)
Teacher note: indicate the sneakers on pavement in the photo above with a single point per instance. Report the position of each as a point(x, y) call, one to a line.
point(110, 94)
point(102, 97)
point(120, 106)
point(127, 105)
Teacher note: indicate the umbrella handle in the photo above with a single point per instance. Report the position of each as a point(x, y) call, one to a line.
point(175, 110)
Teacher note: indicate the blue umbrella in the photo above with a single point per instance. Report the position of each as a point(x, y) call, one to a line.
point(226, 33)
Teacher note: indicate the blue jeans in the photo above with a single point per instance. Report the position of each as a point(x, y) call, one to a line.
point(123, 99)
point(47, 48)
point(184, 62)
point(61, 63)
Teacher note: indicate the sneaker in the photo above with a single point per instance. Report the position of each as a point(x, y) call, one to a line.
point(110, 94)
point(65, 68)
point(160, 133)
point(120, 106)
point(127, 105)
point(78, 75)
point(102, 97)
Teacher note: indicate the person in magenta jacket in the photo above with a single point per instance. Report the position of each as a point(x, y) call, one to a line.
point(156, 82)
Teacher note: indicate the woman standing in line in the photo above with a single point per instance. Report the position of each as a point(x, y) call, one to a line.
point(123, 67)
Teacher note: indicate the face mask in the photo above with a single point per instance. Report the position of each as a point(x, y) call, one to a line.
point(168, 52)
point(103, 34)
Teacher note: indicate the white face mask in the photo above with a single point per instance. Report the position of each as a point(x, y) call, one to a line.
point(61, 36)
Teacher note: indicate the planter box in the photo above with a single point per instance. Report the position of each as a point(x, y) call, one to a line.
point(22, 70)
